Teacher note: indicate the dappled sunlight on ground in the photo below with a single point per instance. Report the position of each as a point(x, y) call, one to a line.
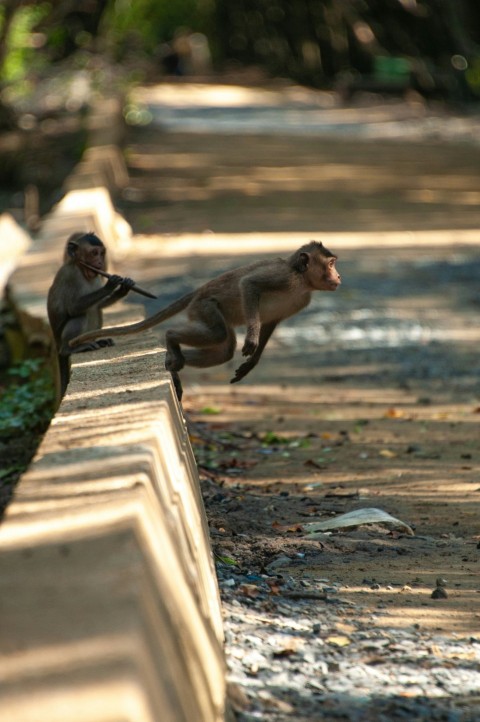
point(369, 398)
point(186, 182)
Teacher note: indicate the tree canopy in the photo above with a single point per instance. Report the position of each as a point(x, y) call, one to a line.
point(316, 42)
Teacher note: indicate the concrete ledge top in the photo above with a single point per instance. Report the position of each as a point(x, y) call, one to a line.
point(106, 542)
point(108, 597)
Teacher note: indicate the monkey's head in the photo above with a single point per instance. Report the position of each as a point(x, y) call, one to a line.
point(317, 265)
point(86, 248)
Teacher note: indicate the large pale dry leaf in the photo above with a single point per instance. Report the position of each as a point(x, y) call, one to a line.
point(338, 640)
point(355, 518)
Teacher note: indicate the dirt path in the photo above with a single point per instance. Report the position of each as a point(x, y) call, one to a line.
point(370, 398)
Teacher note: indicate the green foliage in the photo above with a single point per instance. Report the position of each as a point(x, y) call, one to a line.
point(27, 402)
point(144, 24)
point(228, 561)
point(10, 471)
point(35, 35)
point(273, 439)
point(210, 410)
point(22, 42)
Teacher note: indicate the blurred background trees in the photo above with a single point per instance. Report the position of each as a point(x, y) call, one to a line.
point(315, 40)
point(432, 45)
point(58, 58)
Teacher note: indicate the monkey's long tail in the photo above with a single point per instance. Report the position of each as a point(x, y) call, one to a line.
point(162, 315)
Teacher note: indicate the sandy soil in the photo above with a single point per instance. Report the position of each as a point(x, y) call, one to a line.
point(389, 422)
point(370, 398)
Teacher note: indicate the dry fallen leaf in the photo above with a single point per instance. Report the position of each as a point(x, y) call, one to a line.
point(355, 518)
point(248, 590)
point(275, 588)
point(387, 454)
point(290, 647)
point(286, 527)
point(338, 640)
point(393, 414)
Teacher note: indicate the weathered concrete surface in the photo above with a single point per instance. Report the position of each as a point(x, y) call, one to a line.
point(108, 599)
point(109, 606)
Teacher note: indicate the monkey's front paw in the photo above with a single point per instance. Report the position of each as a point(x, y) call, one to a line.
point(113, 282)
point(126, 285)
point(242, 371)
point(249, 347)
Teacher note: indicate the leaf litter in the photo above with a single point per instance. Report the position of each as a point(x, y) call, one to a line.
point(284, 580)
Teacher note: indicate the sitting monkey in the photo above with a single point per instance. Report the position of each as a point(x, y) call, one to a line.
point(77, 296)
point(258, 295)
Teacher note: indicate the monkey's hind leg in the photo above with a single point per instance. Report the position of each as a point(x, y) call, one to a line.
point(174, 358)
point(212, 340)
point(65, 349)
point(103, 343)
point(177, 384)
point(93, 345)
point(174, 362)
point(202, 358)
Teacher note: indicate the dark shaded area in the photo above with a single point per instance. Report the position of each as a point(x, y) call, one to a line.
point(387, 46)
point(34, 164)
point(321, 42)
point(16, 453)
point(27, 394)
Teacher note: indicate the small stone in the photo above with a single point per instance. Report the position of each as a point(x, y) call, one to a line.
point(281, 561)
point(439, 593)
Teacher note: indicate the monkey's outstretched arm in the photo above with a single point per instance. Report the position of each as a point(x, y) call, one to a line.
point(266, 331)
point(147, 323)
point(77, 306)
point(252, 287)
point(131, 284)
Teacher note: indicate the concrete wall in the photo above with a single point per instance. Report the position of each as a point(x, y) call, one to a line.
point(109, 608)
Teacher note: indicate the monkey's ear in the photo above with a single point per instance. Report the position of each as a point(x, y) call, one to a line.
point(302, 263)
point(72, 248)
